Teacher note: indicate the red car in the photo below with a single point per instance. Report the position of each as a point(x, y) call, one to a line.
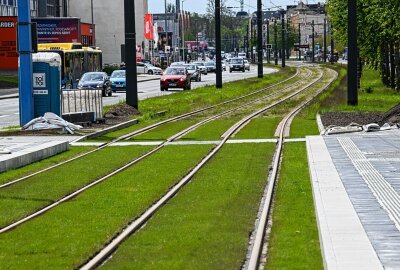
point(175, 77)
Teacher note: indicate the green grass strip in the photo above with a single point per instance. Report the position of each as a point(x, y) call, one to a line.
point(207, 225)
point(8, 82)
point(211, 131)
point(262, 127)
point(34, 193)
point(68, 235)
point(294, 242)
point(165, 131)
point(40, 165)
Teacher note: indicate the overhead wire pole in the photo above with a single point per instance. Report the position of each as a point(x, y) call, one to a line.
point(130, 54)
point(218, 82)
point(313, 42)
point(352, 94)
point(299, 41)
point(283, 39)
point(325, 45)
point(92, 25)
point(276, 43)
point(268, 50)
point(259, 39)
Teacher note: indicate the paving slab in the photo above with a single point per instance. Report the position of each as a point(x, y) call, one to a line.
point(356, 188)
point(24, 150)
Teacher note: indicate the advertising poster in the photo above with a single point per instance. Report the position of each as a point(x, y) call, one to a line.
point(148, 27)
point(58, 30)
point(8, 43)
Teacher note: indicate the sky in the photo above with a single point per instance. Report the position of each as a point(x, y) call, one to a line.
point(199, 6)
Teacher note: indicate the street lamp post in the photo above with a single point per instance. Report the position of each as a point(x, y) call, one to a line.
point(268, 50)
point(283, 39)
point(218, 43)
point(276, 43)
point(352, 94)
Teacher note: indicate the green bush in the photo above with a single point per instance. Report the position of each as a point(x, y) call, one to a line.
point(109, 68)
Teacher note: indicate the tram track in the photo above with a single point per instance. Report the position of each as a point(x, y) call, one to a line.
point(136, 160)
point(144, 130)
point(136, 224)
point(255, 249)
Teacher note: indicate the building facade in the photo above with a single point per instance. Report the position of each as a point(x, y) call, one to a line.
point(49, 8)
point(108, 16)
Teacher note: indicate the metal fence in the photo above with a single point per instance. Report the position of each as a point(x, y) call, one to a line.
point(73, 101)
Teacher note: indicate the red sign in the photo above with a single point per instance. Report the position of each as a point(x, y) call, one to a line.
point(8, 43)
point(148, 27)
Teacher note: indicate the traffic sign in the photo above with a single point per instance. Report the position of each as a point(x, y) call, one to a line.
point(304, 46)
point(269, 46)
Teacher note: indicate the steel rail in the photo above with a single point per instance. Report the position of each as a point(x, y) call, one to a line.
point(136, 224)
point(143, 130)
point(253, 262)
point(124, 167)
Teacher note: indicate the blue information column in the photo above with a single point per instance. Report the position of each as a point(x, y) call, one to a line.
point(25, 62)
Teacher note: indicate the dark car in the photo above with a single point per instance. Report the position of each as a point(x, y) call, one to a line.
point(237, 64)
point(175, 77)
point(194, 72)
point(211, 66)
point(96, 80)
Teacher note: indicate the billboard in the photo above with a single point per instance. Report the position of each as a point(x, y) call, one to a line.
point(8, 43)
point(58, 30)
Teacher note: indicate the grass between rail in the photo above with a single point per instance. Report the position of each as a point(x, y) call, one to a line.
point(186, 101)
point(25, 197)
point(68, 235)
point(40, 165)
point(208, 225)
point(294, 242)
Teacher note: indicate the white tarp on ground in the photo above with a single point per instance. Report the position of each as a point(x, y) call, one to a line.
point(50, 121)
point(354, 127)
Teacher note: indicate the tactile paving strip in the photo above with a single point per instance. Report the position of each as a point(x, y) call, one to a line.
point(380, 151)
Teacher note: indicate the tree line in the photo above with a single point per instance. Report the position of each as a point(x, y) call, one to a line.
point(378, 26)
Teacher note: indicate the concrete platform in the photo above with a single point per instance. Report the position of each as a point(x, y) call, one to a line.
point(28, 149)
point(356, 188)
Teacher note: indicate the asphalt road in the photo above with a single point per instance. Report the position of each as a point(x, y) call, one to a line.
point(9, 108)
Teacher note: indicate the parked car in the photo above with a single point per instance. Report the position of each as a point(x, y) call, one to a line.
point(237, 64)
point(152, 70)
point(211, 67)
point(246, 65)
point(175, 77)
point(96, 80)
point(194, 72)
point(118, 80)
point(141, 68)
point(202, 67)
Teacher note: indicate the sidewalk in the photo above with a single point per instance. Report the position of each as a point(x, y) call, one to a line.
point(356, 188)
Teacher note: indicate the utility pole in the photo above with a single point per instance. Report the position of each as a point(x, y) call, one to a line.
point(218, 71)
point(332, 44)
point(352, 94)
point(166, 31)
point(259, 39)
point(268, 50)
point(276, 43)
point(287, 39)
point(130, 54)
point(248, 40)
point(325, 50)
point(313, 42)
point(283, 39)
point(299, 41)
point(25, 62)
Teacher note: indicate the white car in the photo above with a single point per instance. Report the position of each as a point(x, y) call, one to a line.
point(246, 65)
point(152, 70)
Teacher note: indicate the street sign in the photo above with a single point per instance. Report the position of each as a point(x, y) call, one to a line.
point(167, 49)
point(304, 46)
point(269, 46)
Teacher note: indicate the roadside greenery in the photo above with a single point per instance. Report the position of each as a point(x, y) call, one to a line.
point(378, 34)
